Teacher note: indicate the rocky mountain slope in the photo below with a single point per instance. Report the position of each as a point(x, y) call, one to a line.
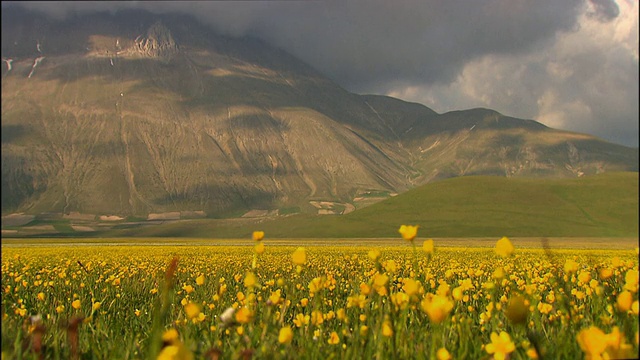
point(132, 114)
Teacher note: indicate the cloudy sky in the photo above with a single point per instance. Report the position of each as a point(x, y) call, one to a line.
point(570, 64)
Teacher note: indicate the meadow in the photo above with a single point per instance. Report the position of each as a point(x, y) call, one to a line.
point(408, 297)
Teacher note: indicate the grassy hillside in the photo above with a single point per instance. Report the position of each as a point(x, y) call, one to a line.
point(604, 205)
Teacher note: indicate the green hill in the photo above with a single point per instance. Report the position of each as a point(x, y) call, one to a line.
point(604, 205)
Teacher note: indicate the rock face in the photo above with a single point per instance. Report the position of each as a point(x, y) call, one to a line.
point(181, 120)
point(157, 44)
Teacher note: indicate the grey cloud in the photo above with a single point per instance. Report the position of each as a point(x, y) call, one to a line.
point(604, 10)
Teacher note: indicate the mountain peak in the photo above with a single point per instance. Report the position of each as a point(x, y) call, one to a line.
point(157, 44)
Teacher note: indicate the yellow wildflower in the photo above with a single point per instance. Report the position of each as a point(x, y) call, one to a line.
point(333, 338)
point(76, 304)
point(175, 352)
point(592, 341)
point(316, 317)
point(301, 320)
point(437, 307)
point(408, 232)
point(275, 297)
point(387, 330)
point(570, 266)
point(500, 346)
point(504, 247)
point(410, 286)
point(624, 301)
point(299, 256)
point(192, 310)
point(244, 315)
point(315, 285)
point(427, 246)
point(259, 248)
point(258, 235)
point(544, 308)
point(286, 335)
point(443, 354)
point(631, 280)
point(170, 336)
point(374, 254)
point(250, 280)
point(200, 280)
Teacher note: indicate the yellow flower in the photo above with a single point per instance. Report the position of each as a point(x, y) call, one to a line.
point(275, 297)
point(175, 352)
point(315, 285)
point(244, 315)
point(250, 280)
point(188, 289)
point(570, 266)
point(301, 320)
point(60, 309)
point(584, 277)
point(286, 335)
point(634, 307)
point(192, 310)
point(617, 348)
point(624, 301)
point(592, 341)
point(437, 307)
point(316, 317)
point(387, 330)
point(333, 338)
point(544, 308)
point(258, 235)
point(504, 247)
point(259, 248)
point(408, 232)
point(96, 305)
point(365, 289)
point(631, 280)
point(427, 246)
point(41, 296)
point(605, 273)
point(170, 336)
point(374, 254)
point(443, 354)
point(410, 286)
point(200, 280)
point(299, 256)
point(76, 304)
point(364, 329)
point(500, 346)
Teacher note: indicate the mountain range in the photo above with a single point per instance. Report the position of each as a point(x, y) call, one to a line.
point(134, 114)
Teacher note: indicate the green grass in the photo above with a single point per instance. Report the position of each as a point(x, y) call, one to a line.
point(604, 205)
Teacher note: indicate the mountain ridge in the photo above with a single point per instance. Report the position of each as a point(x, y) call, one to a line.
point(138, 113)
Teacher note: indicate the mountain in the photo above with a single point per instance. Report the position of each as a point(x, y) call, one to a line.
point(135, 114)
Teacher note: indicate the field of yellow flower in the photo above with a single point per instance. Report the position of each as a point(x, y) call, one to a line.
point(412, 300)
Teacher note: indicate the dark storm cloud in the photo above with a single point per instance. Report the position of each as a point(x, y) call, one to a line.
point(367, 44)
